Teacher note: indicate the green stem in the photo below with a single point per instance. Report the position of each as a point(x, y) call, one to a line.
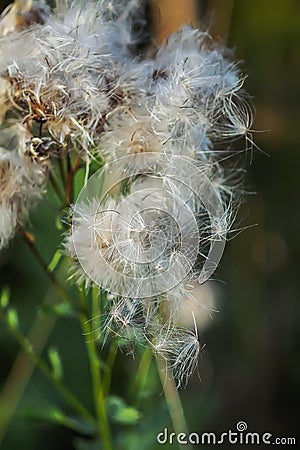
point(96, 373)
point(173, 402)
point(62, 171)
point(107, 378)
point(23, 367)
point(143, 371)
point(58, 384)
point(70, 180)
point(57, 188)
point(29, 239)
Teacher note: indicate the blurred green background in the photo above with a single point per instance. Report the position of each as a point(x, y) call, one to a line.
point(250, 368)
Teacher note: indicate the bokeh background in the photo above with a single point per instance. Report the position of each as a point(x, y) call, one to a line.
point(250, 369)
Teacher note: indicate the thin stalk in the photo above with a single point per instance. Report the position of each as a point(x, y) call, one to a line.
point(62, 171)
point(173, 402)
point(30, 241)
point(172, 15)
point(221, 25)
point(143, 371)
point(71, 172)
point(70, 180)
point(23, 367)
point(77, 165)
point(96, 373)
point(57, 188)
point(107, 378)
point(37, 360)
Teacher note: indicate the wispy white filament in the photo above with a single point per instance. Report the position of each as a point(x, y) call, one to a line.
point(73, 81)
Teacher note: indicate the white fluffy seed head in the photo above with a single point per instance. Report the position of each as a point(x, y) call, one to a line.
point(91, 241)
point(77, 70)
point(22, 183)
point(22, 14)
point(178, 347)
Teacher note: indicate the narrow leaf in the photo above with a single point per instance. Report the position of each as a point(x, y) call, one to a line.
point(12, 318)
point(62, 309)
point(5, 297)
point(56, 363)
point(121, 413)
point(55, 415)
point(55, 260)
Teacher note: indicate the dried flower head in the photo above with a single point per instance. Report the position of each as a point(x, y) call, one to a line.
point(74, 82)
point(22, 183)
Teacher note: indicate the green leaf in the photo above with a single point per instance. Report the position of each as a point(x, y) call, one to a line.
point(54, 415)
point(121, 413)
point(62, 309)
point(5, 297)
point(55, 260)
point(55, 362)
point(12, 318)
point(58, 223)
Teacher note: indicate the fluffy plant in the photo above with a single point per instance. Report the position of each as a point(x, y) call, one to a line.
point(82, 89)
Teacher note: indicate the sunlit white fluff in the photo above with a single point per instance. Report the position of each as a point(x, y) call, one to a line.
point(21, 14)
point(76, 71)
point(22, 182)
point(73, 64)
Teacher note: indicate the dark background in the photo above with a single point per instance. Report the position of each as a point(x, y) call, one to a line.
point(250, 368)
